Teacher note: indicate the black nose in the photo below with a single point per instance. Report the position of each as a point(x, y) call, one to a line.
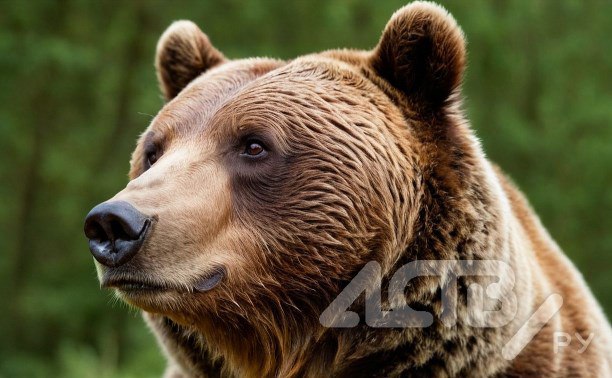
point(116, 231)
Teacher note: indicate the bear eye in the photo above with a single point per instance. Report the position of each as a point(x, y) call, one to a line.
point(253, 148)
point(151, 156)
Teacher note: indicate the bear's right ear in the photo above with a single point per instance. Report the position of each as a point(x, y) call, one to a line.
point(183, 53)
point(422, 54)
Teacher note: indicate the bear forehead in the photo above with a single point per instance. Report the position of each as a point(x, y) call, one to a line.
point(243, 87)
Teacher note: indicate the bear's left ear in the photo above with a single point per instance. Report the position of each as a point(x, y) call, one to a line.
point(422, 54)
point(184, 52)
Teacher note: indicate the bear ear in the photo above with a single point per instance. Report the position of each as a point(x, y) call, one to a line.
point(422, 54)
point(183, 53)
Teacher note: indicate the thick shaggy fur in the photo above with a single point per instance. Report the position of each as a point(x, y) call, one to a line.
point(369, 159)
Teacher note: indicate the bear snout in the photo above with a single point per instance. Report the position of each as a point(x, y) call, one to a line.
point(116, 230)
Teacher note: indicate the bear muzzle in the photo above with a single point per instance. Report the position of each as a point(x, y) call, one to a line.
point(116, 231)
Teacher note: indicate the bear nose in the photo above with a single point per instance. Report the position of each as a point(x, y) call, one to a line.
point(116, 231)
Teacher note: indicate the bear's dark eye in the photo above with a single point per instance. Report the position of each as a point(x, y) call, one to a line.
point(151, 156)
point(254, 149)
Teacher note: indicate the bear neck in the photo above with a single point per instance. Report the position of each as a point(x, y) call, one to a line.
point(464, 214)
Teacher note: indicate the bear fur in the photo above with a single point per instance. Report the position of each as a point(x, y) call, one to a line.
point(366, 157)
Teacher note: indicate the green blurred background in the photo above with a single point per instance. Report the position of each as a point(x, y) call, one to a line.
point(77, 86)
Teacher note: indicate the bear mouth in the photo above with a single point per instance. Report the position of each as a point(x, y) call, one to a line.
point(135, 285)
point(131, 285)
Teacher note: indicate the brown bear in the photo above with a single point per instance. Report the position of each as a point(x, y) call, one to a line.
point(263, 188)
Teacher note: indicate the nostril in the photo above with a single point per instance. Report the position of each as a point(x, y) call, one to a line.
point(118, 231)
point(94, 231)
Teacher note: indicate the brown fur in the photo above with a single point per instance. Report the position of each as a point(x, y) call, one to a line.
point(370, 158)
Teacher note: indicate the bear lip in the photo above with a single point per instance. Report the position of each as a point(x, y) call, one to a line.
point(125, 284)
point(211, 280)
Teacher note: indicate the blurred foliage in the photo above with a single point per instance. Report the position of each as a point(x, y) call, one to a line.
point(77, 86)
